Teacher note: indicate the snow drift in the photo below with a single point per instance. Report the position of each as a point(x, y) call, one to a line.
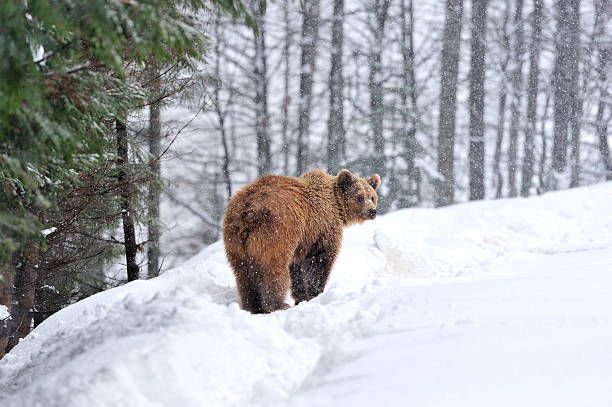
point(505, 302)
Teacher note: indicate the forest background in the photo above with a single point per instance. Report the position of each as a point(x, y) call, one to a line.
point(126, 126)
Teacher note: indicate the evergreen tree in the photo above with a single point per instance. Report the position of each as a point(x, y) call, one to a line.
point(64, 82)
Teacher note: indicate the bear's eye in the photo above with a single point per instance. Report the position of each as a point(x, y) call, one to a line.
point(372, 198)
point(360, 198)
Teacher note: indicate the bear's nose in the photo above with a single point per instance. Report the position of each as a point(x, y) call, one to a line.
point(372, 213)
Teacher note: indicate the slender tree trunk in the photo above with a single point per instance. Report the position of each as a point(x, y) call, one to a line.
point(414, 171)
point(532, 97)
point(601, 123)
point(575, 120)
point(409, 112)
point(335, 124)
point(218, 204)
point(394, 186)
point(501, 119)
point(226, 158)
point(576, 124)
point(126, 194)
point(262, 133)
point(24, 292)
point(563, 78)
point(543, 182)
point(449, 68)
point(604, 49)
point(501, 112)
point(477, 92)
point(153, 228)
point(286, 97)
point(310, 36)
point(604, 149)
point(515, 101)
point(44, 299)
point(6, 299)
point(375, 85)
point(220, 113)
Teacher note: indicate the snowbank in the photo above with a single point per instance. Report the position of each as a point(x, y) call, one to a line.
point(503, 302)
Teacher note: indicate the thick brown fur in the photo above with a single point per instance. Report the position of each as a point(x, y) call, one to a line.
point(284, 233)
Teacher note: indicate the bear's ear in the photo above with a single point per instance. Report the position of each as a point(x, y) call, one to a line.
point(345, 180)
point(374, 181)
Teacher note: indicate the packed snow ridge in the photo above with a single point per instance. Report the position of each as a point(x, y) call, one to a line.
point(488, 303)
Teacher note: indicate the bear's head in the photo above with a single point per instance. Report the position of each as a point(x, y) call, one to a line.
point(358, 195)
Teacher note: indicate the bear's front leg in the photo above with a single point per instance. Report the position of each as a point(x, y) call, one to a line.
point(299, 286)
point(309, 277)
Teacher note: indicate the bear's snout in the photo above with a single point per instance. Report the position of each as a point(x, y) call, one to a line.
point(372, 213)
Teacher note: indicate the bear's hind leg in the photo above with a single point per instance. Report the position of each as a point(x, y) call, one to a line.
point(249, 294)
point(273, 286)
point(299, 286)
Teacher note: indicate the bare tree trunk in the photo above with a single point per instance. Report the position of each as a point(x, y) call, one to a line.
point(394, 186)
point(501, 118)
point(6, 297)
point(532, 98)
point(576, 124)
point(24, 292)
point(226, 157)
point(375, 85)
point(126, 192)
point(575, 120)
point(335, 125)
point(501, 112)
point(542, 167)
point(220, 113)
point(409, 112)
point(477, 78)
point(515, 101)
point(43, 297)
point(286, 97)
point(262, 134)
point(563, 79)
point(602, 133)
point(601, 123)
point(310, 36)
point(602, 10)
point(153, 228)
point(449, 68)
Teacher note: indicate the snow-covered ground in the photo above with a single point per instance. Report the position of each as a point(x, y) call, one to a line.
point(489, 303)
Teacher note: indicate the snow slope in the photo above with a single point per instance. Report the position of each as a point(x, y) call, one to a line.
point(488, 303)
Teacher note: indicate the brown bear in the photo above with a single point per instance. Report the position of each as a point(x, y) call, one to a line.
point(284, 233)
